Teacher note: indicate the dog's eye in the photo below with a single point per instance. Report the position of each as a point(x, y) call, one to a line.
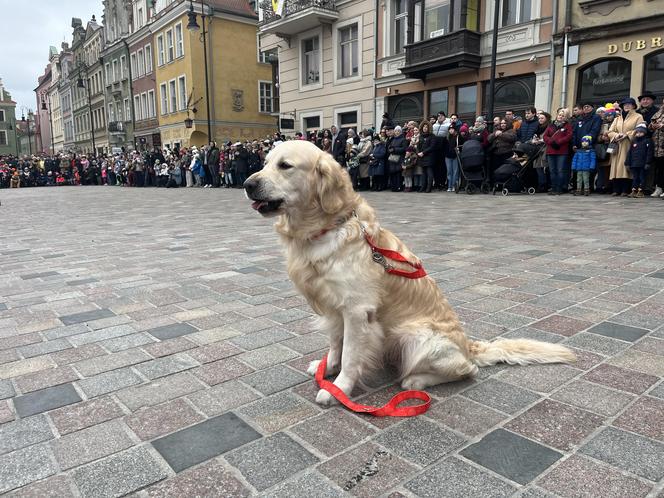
point(285, 166)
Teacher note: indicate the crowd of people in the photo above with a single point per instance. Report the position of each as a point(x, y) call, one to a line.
point(617, 148)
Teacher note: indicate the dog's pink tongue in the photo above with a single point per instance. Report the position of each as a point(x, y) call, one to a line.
point(258, 204)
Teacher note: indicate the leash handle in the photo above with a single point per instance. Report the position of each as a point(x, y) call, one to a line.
point(390, 409)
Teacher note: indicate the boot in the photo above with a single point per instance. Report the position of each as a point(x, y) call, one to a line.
point(639, 194)
point(632, 194)
point(576, 192)
point(587, 192)
point(429, 185)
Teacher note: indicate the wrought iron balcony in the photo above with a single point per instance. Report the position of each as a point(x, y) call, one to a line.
point(298, 16)
point(117, 127)
point(456, 51)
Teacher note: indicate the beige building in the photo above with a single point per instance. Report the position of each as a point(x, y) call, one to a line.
point(615, 49)
point(326, 62)
point(435, 55)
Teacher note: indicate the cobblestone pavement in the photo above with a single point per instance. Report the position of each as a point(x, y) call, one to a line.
point(151, 342)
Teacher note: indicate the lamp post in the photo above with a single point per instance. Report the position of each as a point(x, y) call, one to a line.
point(492, 80)
point(50, 119)
point(192, 25)
point(81, 84)
point(24, 121)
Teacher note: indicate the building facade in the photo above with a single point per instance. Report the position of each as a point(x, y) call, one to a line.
point(325, 70)
point(615, 50)
point(8, 137)
point(43, 115)
point(66, 97)
point(53, 100)
point(94, 84)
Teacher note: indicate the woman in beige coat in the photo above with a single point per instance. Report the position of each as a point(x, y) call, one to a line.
point(621, 134)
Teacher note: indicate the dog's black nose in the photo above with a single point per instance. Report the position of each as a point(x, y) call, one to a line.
point(250, 186)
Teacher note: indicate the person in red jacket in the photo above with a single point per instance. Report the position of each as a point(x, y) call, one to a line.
point(557, 138)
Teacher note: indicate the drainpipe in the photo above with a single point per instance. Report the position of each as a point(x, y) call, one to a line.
point(375, 120)
point(131, 93)
point(568, 22)
point(552, 56)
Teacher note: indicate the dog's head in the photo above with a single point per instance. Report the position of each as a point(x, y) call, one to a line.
point(299, 176)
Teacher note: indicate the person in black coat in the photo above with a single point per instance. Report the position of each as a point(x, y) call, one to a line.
point(426, 153)
point(647, 108)
point(338, 145)
point(588, 124)
point(241, 164)
point(529, 126)
point(396, 149)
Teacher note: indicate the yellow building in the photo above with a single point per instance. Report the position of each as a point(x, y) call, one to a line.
point(240, 87)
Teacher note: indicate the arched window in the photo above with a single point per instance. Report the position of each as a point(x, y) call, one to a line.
point(653, 77)
point(512, 94)
point(605, 80)
point(406, 108)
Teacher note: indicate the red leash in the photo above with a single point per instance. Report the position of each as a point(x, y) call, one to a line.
point(390, 409)
point(380, 254)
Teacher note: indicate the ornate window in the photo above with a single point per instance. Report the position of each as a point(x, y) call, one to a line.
point(604, 80)
point(653, 77)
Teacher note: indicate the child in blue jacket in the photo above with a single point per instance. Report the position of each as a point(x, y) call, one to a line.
point(583, 163)
point(638, 159)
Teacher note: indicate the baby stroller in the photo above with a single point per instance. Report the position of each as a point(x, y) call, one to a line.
point(514, 175)
point(472, 166)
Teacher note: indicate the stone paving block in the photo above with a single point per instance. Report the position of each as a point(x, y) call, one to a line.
point(579, 477)
point(214, 352)
point(333, 431)
point(511, 455)
point(262, 338)
point(69, 356)
point(43, 274)
point(24, 466)
point(211, 336)
point(24, 367)
point(501, 396)
point(221, 371)
point(45, 378)
point(8, 356)
point(208, 439)
point(168, 347)
point(6, 389)
point(366, 471)
point(419, 440)
point(24, 432)
point(90, 444)
point(3, 307)
point(119, 474)
point(562, 325)
point(268, 356)
point(6, 412)
point(160, 390)
point(618, 331)
point(658, 391)
point(465, 416)
point(101, 335)
point(287, 458)
point(60, 486)
point(593, 397)
point(531, 311)
point(127, 342)
point(647, 363)
point(596, 343)
point(626, 451)
point(171, 331)
point(210, 479)
point(650, 345)
point(108, 322)
point(274, 379)
point(15, 341)
point(289, 315)
point(645, 416)
point(302, 486)
point(155, 421)
point(277, 412)
point(458, 478)
point(555, 424)
point(307, 343)
point(86, 316)
point(45, 399)
point(42, 348)
point(539, 378)
point(621, 378)
point(81, 415)
point(108, 382)
point(168, 365)
point(222, 397)
point(113, 361)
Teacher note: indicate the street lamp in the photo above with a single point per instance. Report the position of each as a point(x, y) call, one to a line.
point(193, 26)
point(24, 121)
point(50, 119)
point(82, 68)
point(494, 50)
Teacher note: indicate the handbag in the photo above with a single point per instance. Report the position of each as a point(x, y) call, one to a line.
point(394, 158)
point(612, 148)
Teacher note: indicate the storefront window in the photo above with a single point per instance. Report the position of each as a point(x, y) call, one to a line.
point(466, 100)
point(406, 108)
point(437, 102)
point(513, 94)
point(653, 80)
point(604, 80)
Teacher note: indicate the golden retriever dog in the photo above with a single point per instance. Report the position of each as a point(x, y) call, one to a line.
point(370, 315)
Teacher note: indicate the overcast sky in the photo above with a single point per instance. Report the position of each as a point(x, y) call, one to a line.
point(29, 28)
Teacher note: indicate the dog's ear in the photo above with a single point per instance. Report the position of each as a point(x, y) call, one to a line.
point(330, 189)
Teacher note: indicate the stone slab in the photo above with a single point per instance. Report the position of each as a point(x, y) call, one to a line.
point(86, 316)
point(618, 331)
point(25, 466)
point(24, 432)
point(45, 400)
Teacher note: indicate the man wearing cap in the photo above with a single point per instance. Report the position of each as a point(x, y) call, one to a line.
point(587, 124)
point(647, 109)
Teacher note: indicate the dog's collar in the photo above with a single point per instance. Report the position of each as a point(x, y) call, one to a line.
point(337, 224)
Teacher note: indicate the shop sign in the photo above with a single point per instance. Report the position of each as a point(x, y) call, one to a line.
point(628, 46)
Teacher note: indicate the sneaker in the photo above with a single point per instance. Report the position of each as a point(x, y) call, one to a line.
point(657, 193)
point(639, 194)
point(662, 196)
point(632, 194)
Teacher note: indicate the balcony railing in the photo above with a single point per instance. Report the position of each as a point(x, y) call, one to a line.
point(297, 16)
point(116, 127)
point(456, 51)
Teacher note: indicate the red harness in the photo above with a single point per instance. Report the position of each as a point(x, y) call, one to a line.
point(391, 408)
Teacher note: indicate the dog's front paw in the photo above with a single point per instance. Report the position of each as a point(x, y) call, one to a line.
point(324, 398)
point(412, 383)
point(313, 367)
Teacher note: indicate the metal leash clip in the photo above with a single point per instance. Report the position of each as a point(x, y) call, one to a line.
point(380, 259)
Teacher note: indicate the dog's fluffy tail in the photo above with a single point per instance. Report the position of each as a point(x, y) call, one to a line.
point(518, 352)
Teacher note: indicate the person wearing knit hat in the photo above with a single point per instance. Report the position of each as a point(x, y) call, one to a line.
point(583, 163)
point(639, 158)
